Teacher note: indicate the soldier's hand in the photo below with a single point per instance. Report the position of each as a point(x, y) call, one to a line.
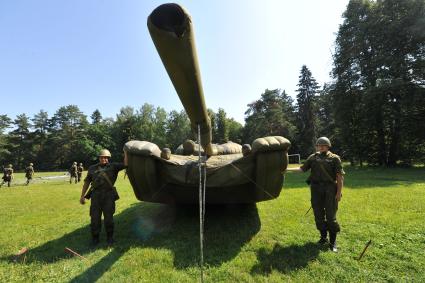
point(125, 158)
point(82, 200)
point(338, 196)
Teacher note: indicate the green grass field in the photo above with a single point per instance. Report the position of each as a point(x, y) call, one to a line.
point(271, 242)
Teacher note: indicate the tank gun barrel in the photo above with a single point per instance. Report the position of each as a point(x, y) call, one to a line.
point(171, 29)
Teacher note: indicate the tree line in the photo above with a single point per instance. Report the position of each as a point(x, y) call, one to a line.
point(53, 143)
point(378, 93)
point(373, 110)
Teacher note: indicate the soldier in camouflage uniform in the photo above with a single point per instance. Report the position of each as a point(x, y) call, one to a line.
point(29, 173)
point(102, 177)
point(80, 170)
point(326, 182)
point(7, 175)
point(73, 173)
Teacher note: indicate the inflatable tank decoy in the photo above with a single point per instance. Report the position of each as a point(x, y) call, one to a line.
point(233, 175)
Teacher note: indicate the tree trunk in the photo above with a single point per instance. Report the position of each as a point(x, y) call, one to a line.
point(393, 154)
point(382, 150)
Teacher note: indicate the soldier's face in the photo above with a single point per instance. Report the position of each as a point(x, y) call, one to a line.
point(103, 160)
point(322, 148)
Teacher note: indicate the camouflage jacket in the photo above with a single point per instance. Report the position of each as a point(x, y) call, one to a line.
point(29, 171)
point(8, 172)
point(103, 176)
point(73, 170)
point(324, 167)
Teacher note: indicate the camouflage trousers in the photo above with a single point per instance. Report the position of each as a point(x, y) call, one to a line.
point(102, 202)
point(324, 206)
point(75, 178)
point(6, 179)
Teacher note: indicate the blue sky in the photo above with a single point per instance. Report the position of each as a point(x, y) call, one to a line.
point(97, 54)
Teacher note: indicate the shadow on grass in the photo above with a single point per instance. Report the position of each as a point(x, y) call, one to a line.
point(227, 229)
point(285, 259)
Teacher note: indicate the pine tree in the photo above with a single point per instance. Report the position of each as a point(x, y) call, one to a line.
point(269, 116)
point(222, 127)
point(5, 123)
point(306, 111)
point(96, 117)
point(20, 141)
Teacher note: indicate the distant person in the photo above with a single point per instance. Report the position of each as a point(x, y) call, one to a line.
point(80, 170)
point(103, 194)
point(73, 173)
point(326, 182)
point(7, 175)
point(246, 149)
point(29, 173)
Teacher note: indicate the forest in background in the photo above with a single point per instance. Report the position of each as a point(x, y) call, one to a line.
point(373, 110)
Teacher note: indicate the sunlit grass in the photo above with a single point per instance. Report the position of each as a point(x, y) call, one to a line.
point(271, 242)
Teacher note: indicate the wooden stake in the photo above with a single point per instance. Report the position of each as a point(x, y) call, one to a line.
point(364, 250)
point(68, 250)
point(21, 252)
point(307, 211)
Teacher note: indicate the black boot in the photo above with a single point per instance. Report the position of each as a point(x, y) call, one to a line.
point(323, 238)
point(332, 242)
point(95, 240)
point(110, 239)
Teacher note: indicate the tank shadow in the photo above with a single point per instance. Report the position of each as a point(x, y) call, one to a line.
point(227, 229)
point(285, 259)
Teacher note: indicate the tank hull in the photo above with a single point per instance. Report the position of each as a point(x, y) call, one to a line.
point(232, 178)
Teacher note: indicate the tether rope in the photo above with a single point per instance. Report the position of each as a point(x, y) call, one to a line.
point(202, 189)
point(249, 179)
point(252, 181)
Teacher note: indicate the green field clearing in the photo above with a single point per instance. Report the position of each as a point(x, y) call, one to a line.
point(269, 242)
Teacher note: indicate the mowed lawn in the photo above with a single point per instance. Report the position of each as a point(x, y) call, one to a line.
point(272, 241)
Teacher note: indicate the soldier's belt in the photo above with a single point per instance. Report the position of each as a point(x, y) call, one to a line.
point(102, 188)
point(322, 182)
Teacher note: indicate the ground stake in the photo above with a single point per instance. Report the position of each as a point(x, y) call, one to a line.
point(68, 250)
point(364, 250)
point(21, 252)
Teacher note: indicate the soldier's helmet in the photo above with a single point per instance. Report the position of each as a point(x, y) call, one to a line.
point(323, 141)
point(31, 164)
point(10, 166)
point(104, 152)
point(81, 164)
point(75, 163)
point(246, 149)
point(166, 153)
